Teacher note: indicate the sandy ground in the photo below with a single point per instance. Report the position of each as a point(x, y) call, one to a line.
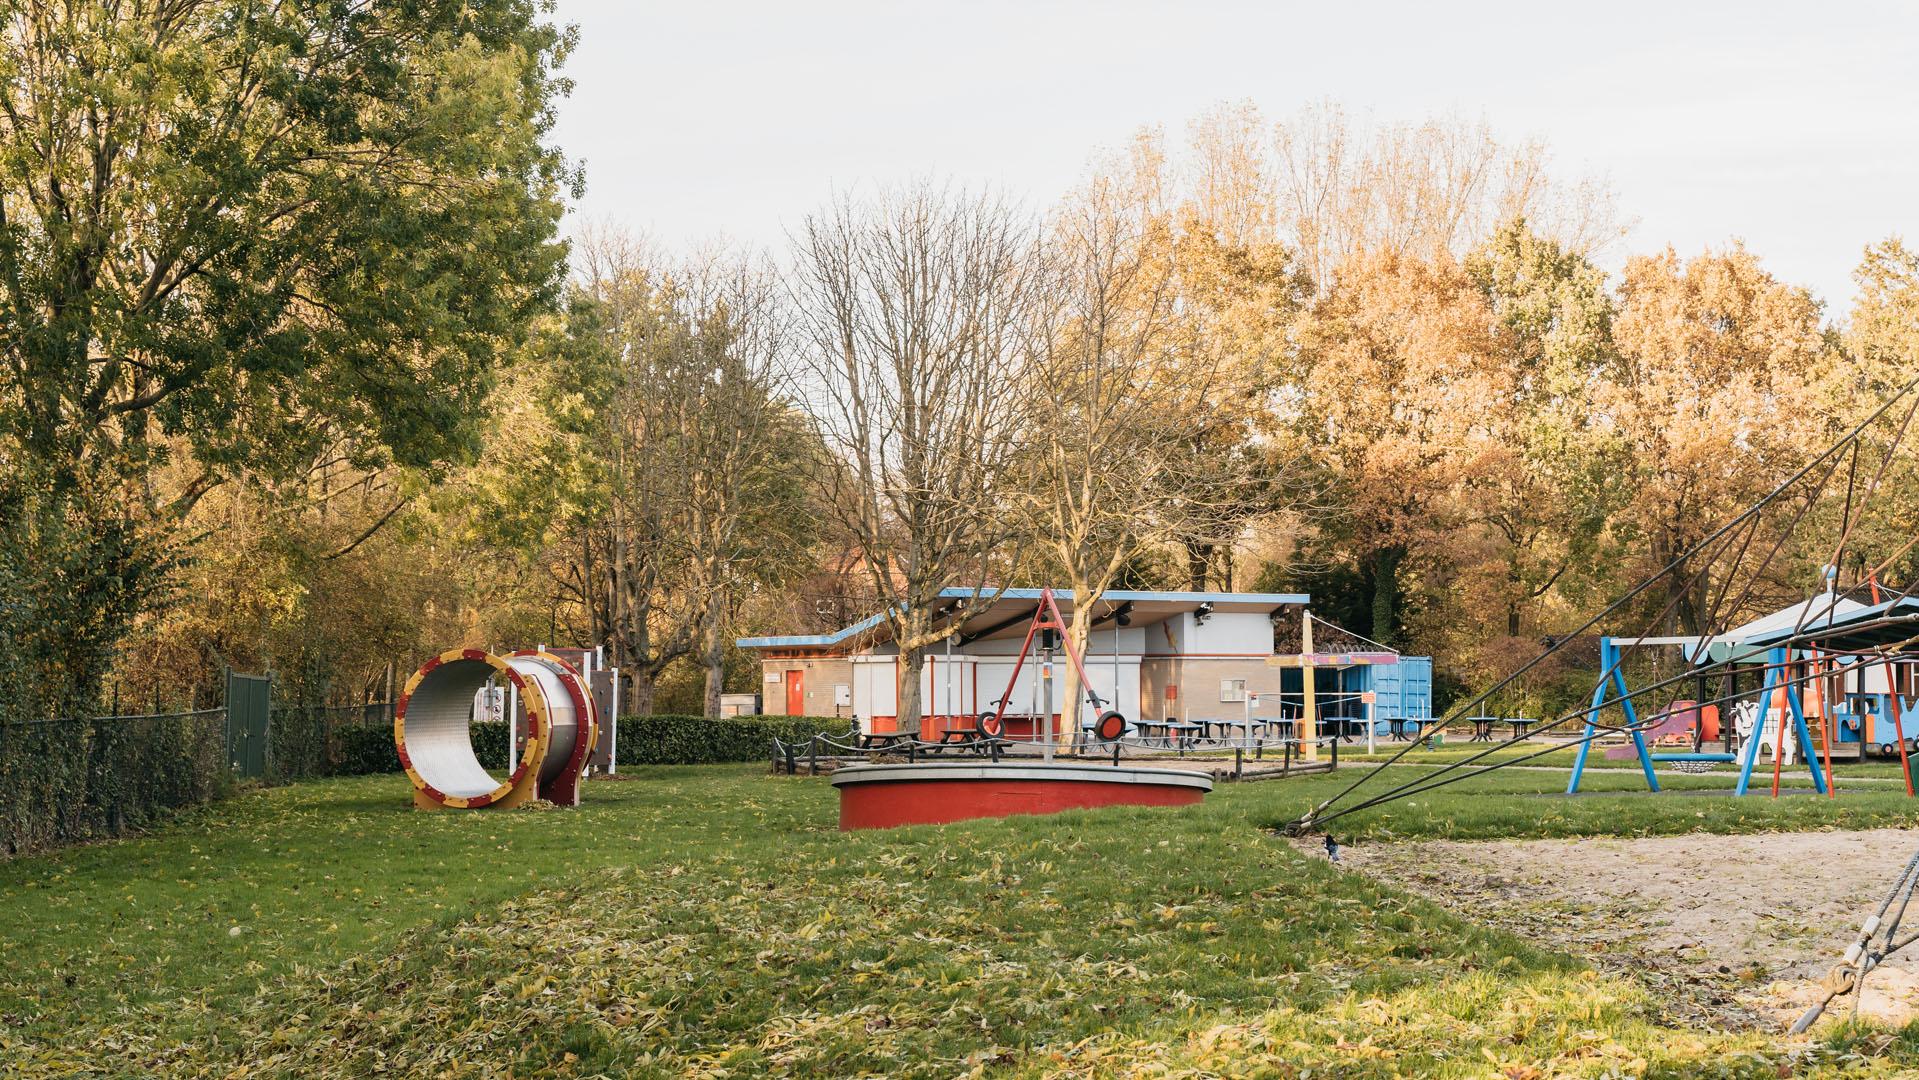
point(1731, 931)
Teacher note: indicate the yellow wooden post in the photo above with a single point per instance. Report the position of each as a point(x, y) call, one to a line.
point(1309, 715)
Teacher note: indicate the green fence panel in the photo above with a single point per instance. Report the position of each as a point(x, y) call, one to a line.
point(249, 707)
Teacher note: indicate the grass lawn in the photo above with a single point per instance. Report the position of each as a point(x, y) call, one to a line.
point(713, 922)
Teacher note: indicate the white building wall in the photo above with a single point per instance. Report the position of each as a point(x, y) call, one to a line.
point(1233, 633)
point(947, 685)
point(1119, 691)
point(971, 678)
point(875, 689)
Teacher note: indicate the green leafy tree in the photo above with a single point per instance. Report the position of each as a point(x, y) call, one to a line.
point(652, 463)
point(234, 235)
point(1546, 489)
point(246, 227)
point(237, 233)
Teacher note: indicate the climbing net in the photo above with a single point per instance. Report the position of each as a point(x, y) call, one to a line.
point(1741, 551)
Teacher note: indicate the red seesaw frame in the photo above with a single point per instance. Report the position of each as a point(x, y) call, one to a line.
point(1110, 725)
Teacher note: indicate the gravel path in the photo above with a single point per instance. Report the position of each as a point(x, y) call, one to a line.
point(1730, 931)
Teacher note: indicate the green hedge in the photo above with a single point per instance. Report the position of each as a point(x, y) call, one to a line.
point(360, 750)
point(700, 740)
point(644, 740)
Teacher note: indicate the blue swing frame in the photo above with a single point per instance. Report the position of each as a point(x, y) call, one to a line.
point(1612, 677)
point(1776, 662)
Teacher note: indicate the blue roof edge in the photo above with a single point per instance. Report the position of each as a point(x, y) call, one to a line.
point(1833, 622)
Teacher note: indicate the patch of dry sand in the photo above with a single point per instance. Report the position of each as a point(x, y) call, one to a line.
point(1731, 931)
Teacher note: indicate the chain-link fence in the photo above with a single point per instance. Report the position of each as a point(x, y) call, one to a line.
point(310, 739)
point(66, 779)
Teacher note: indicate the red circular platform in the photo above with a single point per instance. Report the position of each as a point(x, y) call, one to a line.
point(882, 796)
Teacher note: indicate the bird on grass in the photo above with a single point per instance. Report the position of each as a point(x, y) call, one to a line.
point(1332, 848)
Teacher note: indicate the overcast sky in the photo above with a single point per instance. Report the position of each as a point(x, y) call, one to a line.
point(1794, 131)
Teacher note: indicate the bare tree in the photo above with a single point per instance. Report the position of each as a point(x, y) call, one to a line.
point(740, 449)
point(1106, 476)
point(696, 458)
point(915, 307)
point(627, 559)
point(1423, 191)
point(1235, 293)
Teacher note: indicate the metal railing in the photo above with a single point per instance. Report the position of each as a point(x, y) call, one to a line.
point(834, 748)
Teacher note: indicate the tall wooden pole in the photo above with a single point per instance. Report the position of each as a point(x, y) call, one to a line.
point(1309, 715)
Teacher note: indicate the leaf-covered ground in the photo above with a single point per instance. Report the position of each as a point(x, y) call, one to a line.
point(712, 922)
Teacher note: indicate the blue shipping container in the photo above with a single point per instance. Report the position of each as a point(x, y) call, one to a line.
point(1404, 690)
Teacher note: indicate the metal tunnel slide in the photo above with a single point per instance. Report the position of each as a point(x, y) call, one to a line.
point(432, 727)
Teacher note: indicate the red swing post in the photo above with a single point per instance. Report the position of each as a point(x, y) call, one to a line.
point(1827, 718)
point(1892, 685)
point(1898, 725)
point(1781, 695)
point(1047, 617)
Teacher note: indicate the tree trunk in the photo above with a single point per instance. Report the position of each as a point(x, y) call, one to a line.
point(912, 662)
point(1199, 559)
point(1698, 599)
point(1072, 698)
point(639, 685)
point(713, 653)
point(1386, 595)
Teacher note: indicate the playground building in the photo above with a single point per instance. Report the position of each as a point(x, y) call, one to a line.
point(1154, 656)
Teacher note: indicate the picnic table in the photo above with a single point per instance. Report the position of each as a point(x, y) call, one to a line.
point(881, 740)
point(1396, 726)
point(1243, 728)
point(1521, 725)
point(1173, 734)
point(1483, 727)
point(968, 738)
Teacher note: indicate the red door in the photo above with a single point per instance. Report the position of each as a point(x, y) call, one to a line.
point(795, 695)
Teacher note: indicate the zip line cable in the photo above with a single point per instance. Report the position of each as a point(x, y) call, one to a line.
point(1421, 784)
point(1838, 447)
point(1350, 633)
